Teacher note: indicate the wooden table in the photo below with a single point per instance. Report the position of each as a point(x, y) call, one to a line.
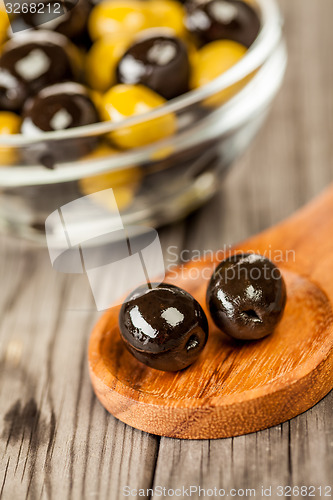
point(56, 440)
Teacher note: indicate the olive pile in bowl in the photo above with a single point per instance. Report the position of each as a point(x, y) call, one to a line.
point(128, 94)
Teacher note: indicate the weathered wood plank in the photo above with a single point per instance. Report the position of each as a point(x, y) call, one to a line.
point(298, 452)
point(56, 440)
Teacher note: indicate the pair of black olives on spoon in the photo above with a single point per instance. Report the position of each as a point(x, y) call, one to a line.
point(166, 328)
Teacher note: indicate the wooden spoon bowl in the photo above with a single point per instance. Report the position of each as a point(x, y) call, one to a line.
point(235, 387)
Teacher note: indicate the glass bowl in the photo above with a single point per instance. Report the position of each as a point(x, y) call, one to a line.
point(155, 183)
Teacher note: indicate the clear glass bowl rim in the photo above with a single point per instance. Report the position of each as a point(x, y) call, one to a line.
point(268, 37)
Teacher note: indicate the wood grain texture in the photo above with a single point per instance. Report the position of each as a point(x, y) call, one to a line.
point(235, 388)
point(63, 444)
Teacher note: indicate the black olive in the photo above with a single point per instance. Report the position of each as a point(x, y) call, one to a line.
point(163, 327)
point(58, 107)
point(55, 108)
point(214, 20)
point(13, 92)
point(159, 62)
point(246, 296)
point(32, 61)
point(72, 22)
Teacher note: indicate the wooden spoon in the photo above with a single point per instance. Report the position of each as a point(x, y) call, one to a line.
point(235, 388)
